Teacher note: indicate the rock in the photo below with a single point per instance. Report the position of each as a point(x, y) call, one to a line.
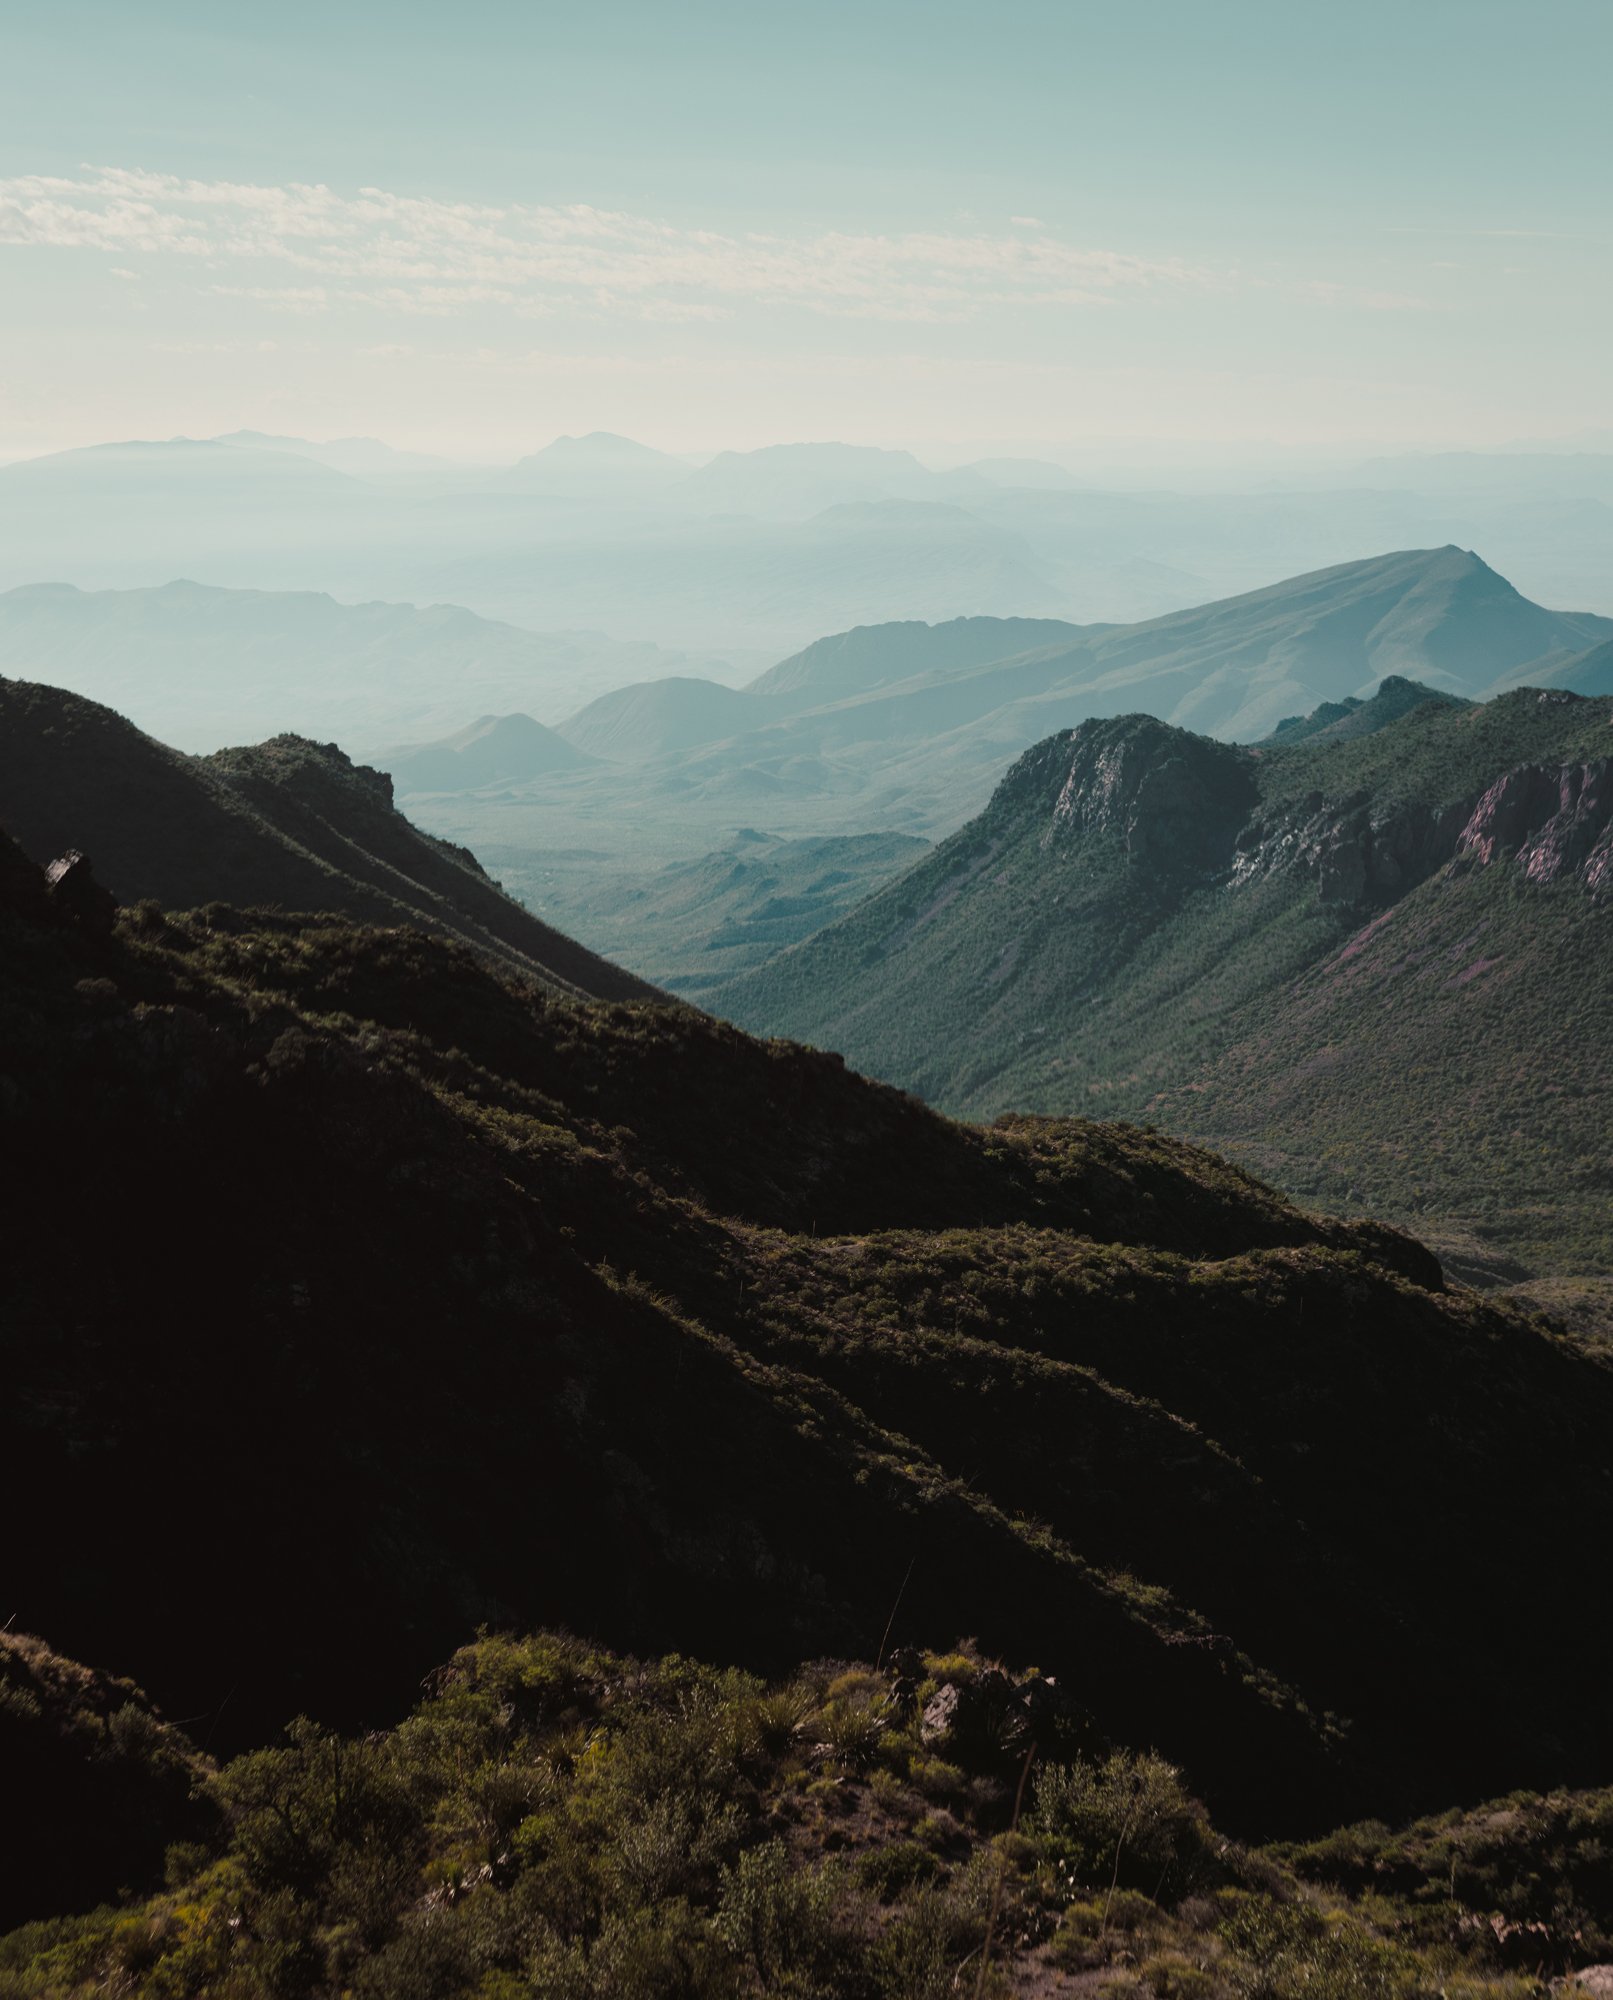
point(1591, 1979)
point(1176, 801)
point(75, 893)
point(941, 1712)
point(996, 1713)
point(1555, 821)
point(1357, 861)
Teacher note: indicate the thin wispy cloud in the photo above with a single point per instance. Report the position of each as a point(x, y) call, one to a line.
point(417, 255)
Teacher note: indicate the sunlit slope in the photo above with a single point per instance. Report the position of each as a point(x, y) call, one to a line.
point(1378, 963)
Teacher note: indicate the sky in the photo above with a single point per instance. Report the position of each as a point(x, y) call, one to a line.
point(709, 225)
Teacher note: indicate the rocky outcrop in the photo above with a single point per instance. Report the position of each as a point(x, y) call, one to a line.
point(1356, 857)
point(1556, 822)
point(75, 893)
point(1174, 801)
point(64, 893)
point(1553, 821)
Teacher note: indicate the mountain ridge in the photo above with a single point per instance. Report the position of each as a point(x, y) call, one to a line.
point(284, 823)
point(1242, 942)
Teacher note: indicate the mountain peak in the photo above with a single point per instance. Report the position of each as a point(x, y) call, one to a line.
point(598, 448)
point(1173, 800)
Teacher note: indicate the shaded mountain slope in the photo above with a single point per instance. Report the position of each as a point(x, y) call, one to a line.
point(476, 1305)
point(287, 823)
point(1378, 964)
point(98, 1786)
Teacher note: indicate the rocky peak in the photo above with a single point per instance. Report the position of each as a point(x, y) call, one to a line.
point(1173, 800)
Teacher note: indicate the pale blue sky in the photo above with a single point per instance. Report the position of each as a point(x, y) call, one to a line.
point(713, 224)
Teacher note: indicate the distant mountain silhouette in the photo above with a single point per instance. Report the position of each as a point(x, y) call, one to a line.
point(493, 748)
point(597, 465)
point(911, 726)
point(205, 666)
point(360, 457)
point(792, 481)
point(872, 656)
point(655, 717)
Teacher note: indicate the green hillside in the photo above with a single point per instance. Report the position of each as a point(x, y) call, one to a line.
point(1374, 963)
point(690, 925)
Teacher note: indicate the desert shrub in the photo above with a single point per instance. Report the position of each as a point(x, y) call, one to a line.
point(890, 1872)
point(919, 1954)
point(292, 1810)
point(672, 1846)
point(1168, 1975)
point(665, 1953)
point(854, 1729)
point(791, 1925)
point(429, 1959)
point(1127, 1819)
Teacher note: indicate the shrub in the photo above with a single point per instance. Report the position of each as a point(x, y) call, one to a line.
point(1127, 1820)
point(890, 1872)
point(788, 1923)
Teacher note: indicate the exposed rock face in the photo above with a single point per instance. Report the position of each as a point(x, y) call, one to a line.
point(1556, 822)
point(75, 892)
point(1175, 801)
point(1356, 859)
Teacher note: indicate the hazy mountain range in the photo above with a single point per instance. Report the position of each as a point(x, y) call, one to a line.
point(760, 552)
point(201, 666)
point(907, 729)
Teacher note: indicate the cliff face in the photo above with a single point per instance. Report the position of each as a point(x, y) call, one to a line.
point(1174, 801)
point(1551, 821)
point(1555, 822)
point(1357, 857)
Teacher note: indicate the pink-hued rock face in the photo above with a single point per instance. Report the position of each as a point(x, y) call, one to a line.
point(1556, 822)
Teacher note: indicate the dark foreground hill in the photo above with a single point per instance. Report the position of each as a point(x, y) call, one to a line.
point(353, 1296)
point(1374, 961)
point(287, 824)
point(552, 1820)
